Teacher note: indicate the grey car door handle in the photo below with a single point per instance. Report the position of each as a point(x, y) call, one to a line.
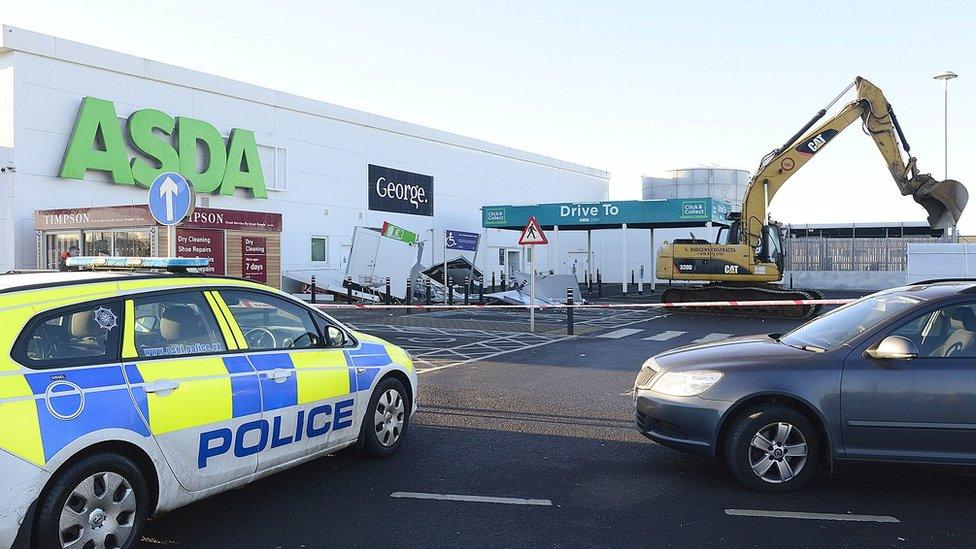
point(161, 386)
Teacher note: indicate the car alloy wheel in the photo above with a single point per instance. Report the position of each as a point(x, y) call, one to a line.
point(778, 452)
point(100, 512)
point(388, 417)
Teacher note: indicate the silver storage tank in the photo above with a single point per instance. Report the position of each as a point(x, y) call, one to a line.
point(720, 183)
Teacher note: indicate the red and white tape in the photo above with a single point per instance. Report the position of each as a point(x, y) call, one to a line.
point(422, 307)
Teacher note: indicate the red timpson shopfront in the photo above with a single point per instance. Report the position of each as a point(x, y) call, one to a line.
point(238, 243)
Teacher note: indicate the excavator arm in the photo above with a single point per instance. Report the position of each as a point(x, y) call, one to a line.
point(943, 200)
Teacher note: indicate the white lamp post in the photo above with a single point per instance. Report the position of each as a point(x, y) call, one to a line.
point(945, 77)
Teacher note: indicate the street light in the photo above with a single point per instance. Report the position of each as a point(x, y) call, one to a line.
point(945, 78)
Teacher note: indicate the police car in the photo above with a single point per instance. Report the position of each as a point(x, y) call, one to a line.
point(125, 393)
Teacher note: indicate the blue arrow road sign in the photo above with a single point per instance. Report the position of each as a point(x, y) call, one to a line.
point(459, 240)
point(170, 198)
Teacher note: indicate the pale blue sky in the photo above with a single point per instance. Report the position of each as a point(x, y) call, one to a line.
point(630, 87)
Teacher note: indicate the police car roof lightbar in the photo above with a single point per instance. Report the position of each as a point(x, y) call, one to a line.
point(177, 264)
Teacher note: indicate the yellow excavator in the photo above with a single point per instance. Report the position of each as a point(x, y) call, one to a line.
point(747, 256)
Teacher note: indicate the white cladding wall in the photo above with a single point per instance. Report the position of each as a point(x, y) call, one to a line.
point(322, 157)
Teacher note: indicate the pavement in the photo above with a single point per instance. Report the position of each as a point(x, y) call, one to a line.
point(528, 440)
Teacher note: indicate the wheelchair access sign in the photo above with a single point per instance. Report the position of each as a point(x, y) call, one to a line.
point(460, 240)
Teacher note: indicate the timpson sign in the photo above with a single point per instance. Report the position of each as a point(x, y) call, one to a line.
point(109, 217)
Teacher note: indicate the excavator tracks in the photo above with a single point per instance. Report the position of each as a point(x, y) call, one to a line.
point(745, 292)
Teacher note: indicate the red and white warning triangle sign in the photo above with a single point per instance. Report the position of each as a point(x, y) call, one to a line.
point(532, 234)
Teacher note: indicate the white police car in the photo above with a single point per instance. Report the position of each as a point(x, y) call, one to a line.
point(124, 393)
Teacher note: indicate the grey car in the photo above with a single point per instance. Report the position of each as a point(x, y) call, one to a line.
point(889, 377)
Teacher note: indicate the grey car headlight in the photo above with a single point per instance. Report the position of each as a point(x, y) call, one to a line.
point(686, 384)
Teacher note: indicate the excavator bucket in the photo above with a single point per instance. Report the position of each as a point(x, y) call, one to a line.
point(943, 200)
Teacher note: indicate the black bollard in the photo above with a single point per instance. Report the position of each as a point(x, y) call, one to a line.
point(314, 289)
point(503, 282)
point(493, 281)
point(389, 298)
point(599, 283)
point(428, 291)
point(481, 291)
point(569, 312)
point(348, 289)
point(450, 291)
point(409, 291)
point(467, 287)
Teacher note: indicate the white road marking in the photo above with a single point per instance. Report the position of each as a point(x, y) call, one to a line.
point(712, 337)
point(808, 516)
point(664, 336)
point(475, 499)
point(492, 355)
point(623, 332)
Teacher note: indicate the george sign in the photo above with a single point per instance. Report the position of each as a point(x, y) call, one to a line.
point(398, 233)
point(459, 240)
point(162, 143)
point(208, 243)
point(254, 258)
point(532, 234)
point(170, 198)
point(398, 191)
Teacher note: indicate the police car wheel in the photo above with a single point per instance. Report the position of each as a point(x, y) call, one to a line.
point(386, 418)
point(99, 501)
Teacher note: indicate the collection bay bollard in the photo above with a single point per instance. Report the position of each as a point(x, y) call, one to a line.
point(428, 291)
point(493, 282)
point(450, 291)
point(570, 329)
point(349, 289)
point(313, 289)
point(481, 290)
point(467, 287)
point(503, 282)
point(409, 293)
point(599, 283)
point(389, 297)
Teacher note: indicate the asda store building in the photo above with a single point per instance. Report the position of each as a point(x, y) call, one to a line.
point(281, 180)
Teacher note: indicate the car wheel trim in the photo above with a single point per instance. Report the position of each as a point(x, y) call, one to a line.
point(388, 417)
point(99, 511)
point(778, 452)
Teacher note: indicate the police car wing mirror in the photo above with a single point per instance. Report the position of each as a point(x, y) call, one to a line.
point(335, 336)
point(894, 348)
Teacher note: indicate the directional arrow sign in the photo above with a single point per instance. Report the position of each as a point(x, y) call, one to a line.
point(532, 234)
point(171, 198)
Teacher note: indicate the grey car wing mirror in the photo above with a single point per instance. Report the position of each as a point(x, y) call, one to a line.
point(335, 336)
point(894, 347)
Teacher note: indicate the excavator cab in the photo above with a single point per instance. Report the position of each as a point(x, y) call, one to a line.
point(771, 250)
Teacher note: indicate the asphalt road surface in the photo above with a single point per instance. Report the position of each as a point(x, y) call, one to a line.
point(546, 427)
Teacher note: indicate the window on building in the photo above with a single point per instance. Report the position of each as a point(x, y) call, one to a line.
point(174, 325)
point(270, 322)
point(72, 337)
point(320, 248)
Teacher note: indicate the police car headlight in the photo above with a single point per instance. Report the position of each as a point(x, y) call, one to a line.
point(686, 384)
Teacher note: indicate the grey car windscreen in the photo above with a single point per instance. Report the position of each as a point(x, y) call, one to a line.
point(842, 324)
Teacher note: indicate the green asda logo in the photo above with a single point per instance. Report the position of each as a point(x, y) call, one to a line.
point(166, 144)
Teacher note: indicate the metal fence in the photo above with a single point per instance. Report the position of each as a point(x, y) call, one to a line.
point(817, 253)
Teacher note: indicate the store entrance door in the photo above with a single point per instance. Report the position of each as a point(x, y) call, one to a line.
point(512, 262)
point(56, 246)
